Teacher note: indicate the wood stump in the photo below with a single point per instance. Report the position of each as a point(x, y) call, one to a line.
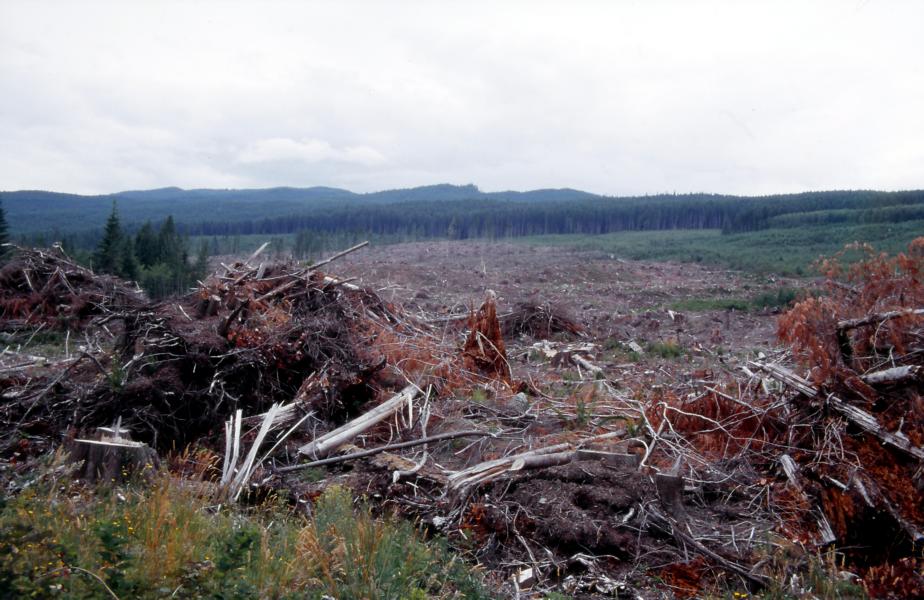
point(113, 458)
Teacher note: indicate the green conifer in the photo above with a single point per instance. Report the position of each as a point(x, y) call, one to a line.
point(4, 234)
point(108, 253)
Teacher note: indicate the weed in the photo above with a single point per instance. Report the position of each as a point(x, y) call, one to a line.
point(819, 576)
point(64, 540)
point(668, 349)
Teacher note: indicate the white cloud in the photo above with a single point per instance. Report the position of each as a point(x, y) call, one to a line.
point(307, 151)
point(612, 97)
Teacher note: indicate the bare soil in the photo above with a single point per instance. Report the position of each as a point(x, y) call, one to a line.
point(611, 298)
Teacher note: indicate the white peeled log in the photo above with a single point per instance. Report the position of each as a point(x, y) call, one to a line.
point(320, 447)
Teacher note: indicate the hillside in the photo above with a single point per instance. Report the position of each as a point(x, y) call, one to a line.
point(448, 211)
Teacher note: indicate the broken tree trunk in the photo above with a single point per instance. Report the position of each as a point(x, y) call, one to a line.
point(484, 350)
point(321, 446)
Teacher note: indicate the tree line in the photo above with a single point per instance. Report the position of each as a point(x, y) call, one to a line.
point(491, 218)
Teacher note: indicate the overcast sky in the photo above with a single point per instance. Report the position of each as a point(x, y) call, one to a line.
point(610, 97)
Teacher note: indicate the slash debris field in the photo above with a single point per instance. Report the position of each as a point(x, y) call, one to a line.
point(463, 420)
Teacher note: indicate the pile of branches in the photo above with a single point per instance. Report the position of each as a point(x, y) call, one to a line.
point(249, 337)
point(45, 287)
point(539, 320)
point(856, 464)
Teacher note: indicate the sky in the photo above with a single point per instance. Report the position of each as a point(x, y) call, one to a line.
point(615, 97)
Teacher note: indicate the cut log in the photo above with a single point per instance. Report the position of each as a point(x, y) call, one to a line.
point(321, 446)
point(542, 461)
point(893, 375)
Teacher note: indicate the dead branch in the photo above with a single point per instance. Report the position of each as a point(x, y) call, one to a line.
point(878, 318)
point(857, 416)
point(321, 263)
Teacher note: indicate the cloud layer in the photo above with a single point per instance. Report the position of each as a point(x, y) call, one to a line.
point(612, 97)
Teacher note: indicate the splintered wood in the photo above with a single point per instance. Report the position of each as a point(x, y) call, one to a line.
point(484, 351)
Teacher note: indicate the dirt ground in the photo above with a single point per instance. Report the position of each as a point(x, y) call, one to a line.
point(612, 298)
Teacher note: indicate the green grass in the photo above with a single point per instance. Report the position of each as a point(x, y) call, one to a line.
point(779, 298)
point(788, 251)
point(704, 304)
point(58, 539)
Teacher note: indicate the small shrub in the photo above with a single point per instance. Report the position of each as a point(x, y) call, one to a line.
point(668, 349)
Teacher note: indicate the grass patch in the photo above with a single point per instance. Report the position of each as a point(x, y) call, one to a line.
point(777, 299)
point(61, 540)
point(789, 251)
point(704, 304)
point(667, 350)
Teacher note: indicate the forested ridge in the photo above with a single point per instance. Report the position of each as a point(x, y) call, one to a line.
point(457, 212)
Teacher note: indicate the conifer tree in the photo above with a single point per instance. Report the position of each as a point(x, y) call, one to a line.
point(147, 245)
point(201, 268)
point(108, 254)
point(4, 234)
point(128, 264)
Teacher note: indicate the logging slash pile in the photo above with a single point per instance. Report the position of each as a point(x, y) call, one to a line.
point(593, 485)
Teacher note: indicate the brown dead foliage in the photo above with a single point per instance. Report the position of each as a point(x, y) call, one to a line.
point(863, 325)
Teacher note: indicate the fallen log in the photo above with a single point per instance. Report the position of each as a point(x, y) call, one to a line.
point(333, 460)
point(321, 446)
point(548, 456)
point(580, 361)
point(893, 375)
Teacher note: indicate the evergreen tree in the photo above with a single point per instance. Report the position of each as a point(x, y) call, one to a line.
point(128, 264)
point(147, 245)
point(4, 234)
point(108, 254)
point(201, 268)
point(170, 244)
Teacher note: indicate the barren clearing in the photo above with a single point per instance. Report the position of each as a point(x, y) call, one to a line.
point(546, 411)
point(612, 298)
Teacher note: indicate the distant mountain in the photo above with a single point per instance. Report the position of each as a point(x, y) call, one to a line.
point(31, 211)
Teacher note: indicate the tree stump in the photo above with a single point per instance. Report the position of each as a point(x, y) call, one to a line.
point(113, 458)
